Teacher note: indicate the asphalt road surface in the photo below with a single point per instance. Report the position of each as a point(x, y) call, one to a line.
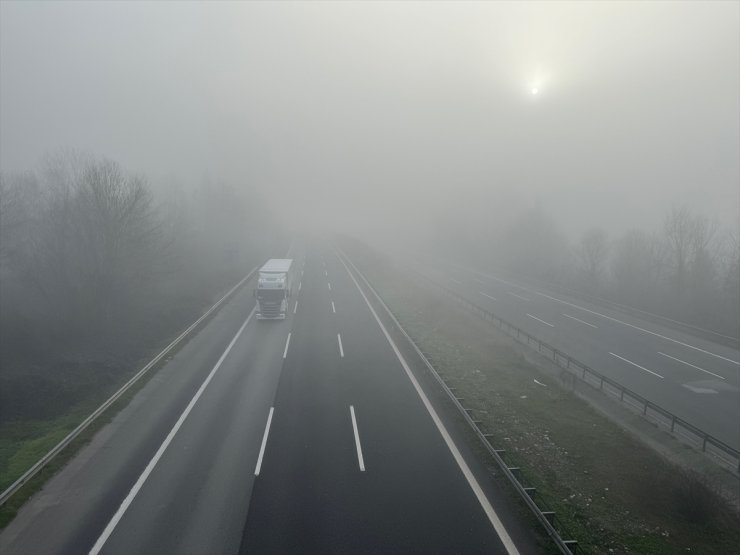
point(307, 435)
point(696, 379)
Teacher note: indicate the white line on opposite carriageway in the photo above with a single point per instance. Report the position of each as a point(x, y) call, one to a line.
point(329, 284)
point(453, 280)
point(162, 448)
point(640, 329)
point(546, 323)
point(578, 320)
point(635, 364)
point(341, 350)
point(487, 295)
point(287, 343)
point(357, 439)
point(300, 284)
point(479, 281)
point(485, 504)
point(333, 308)
point(518, 296)
point(295, 307)
point(264, 443)
point(692, 365)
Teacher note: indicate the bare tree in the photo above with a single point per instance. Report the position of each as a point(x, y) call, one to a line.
point(95, 241)
point(679, 228)
point(703, 254)
point(592, 253)
point(16, 193)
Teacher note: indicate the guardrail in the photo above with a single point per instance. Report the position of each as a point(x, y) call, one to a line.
point(540, 510)
point(678, 427)
point(59, 447)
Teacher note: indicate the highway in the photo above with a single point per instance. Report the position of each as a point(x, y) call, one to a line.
point(696, 379)
point(307, 435)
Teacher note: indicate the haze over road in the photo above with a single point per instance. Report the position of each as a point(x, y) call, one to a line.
point(303, 435)
point(695, 378)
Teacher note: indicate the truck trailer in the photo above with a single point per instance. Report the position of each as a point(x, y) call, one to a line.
point(274, 287)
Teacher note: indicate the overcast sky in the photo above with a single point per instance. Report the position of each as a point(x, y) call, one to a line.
point(379, 111)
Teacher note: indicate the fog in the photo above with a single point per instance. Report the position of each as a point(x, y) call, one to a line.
point(432, 162)
point(366, 114)
point(589, 143)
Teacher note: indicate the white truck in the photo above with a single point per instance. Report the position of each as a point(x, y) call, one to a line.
point(274, 287)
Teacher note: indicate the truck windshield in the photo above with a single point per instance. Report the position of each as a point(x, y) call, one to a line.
point(270, 294)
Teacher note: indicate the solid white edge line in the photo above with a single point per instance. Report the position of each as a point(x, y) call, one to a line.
point(333, 308)
point(163, 447)
point(692, 365)
point(578, 320)
point(264, 443)
point(467, 473)
point(341, 350)
point(546, 323)
point(295, 307)
point(487, 295)
point(287, 344)
point(357, 439)
point(640, 329)
point(635, 364)
point(518, 296)
point(456, 281)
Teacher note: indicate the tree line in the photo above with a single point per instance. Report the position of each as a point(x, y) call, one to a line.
point(96, 265)
point(688, 269)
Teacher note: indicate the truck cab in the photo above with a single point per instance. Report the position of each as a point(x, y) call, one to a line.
point(274, 286)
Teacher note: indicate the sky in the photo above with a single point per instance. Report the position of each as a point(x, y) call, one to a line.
point(392, 116)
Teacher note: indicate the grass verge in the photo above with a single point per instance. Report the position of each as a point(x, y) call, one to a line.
point(613, 493)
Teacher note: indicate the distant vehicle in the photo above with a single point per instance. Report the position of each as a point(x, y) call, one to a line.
point(274, 286)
